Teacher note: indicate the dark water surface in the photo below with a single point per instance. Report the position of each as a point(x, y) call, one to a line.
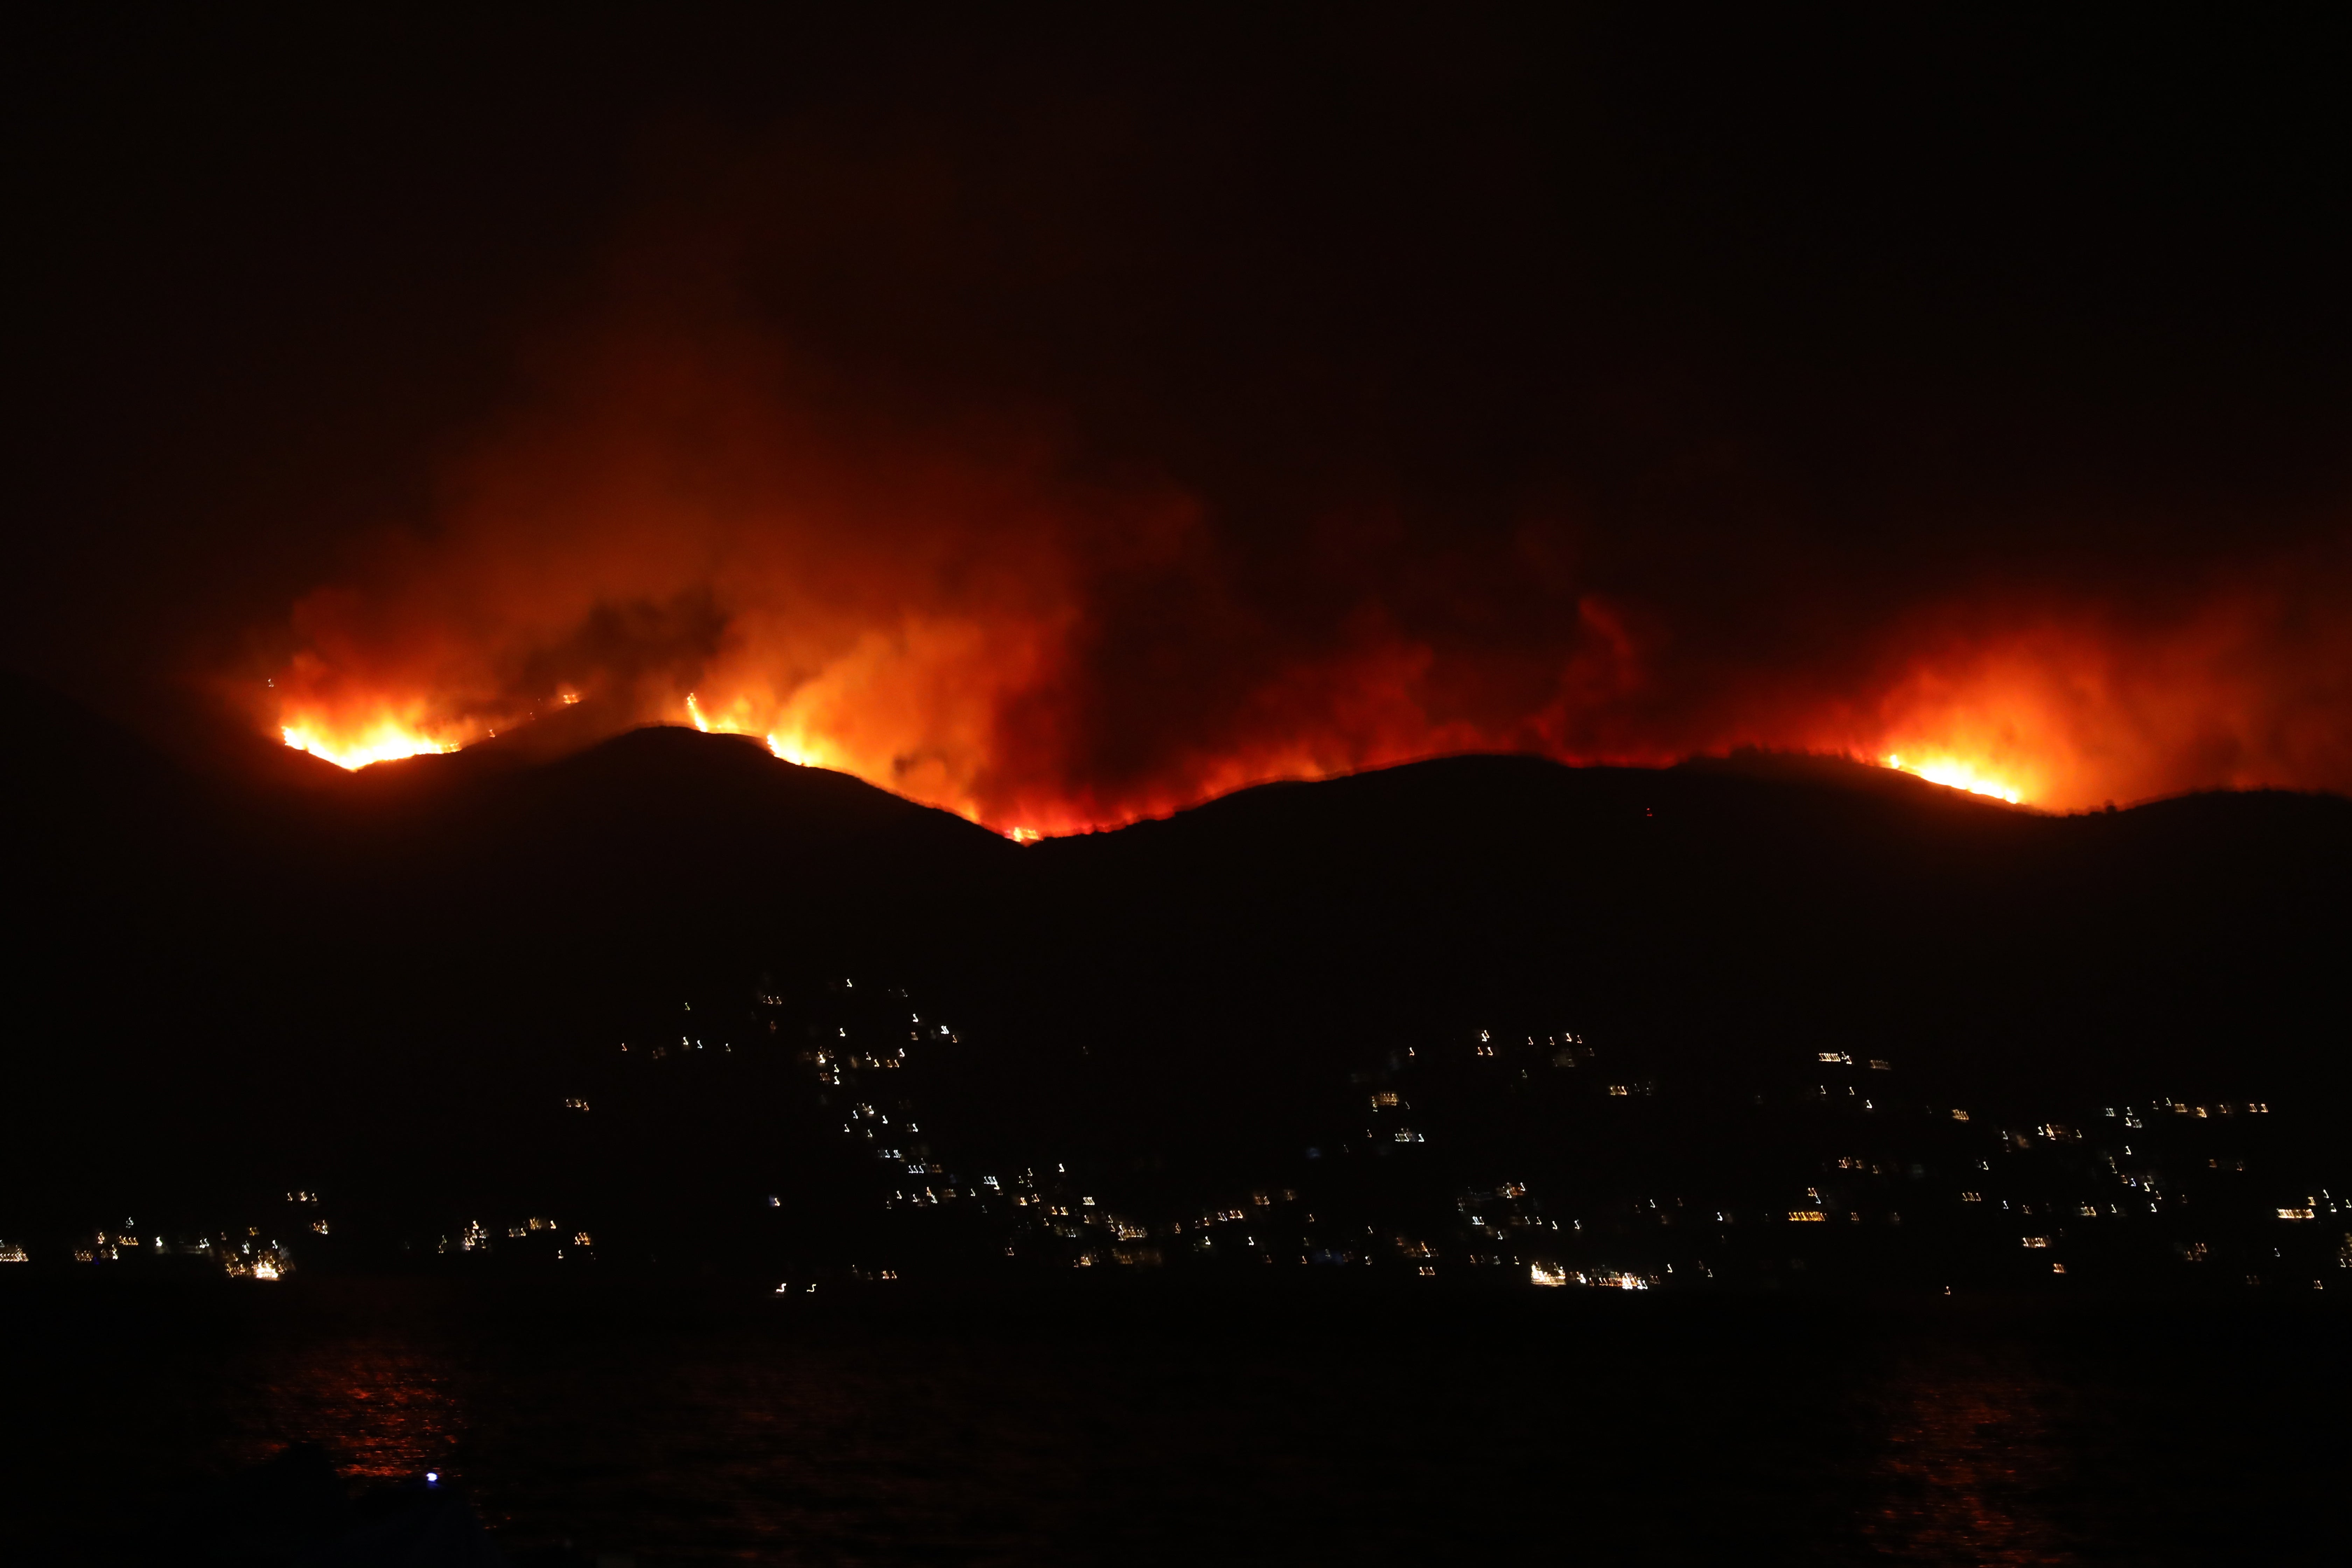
point(1134, 1426)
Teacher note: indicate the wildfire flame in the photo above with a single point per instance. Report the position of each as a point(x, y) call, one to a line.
point(387, 740)
point(963, 622)
point(794, 747)
point(382, 742)
point(1089, 591)
point(1956, 774)
point(799, 751)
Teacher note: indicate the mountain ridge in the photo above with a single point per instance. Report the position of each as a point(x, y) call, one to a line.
point(393, 964)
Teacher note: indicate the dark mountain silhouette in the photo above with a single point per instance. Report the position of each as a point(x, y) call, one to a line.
point(1714, 919)
point(379, 979)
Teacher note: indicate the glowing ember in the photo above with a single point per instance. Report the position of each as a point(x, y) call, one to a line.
point(382, 743)
point(1955, 774)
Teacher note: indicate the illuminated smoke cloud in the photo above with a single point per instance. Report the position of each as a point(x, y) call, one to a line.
point(717, 508)
point(949, 615)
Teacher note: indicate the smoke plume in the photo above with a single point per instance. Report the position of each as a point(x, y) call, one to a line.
point(1092, 462)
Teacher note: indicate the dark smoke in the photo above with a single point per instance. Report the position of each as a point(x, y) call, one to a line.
point(1065, 421)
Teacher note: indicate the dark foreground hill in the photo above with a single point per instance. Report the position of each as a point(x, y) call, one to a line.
point(389, 981)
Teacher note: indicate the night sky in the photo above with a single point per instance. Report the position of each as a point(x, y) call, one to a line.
point(1061, 419)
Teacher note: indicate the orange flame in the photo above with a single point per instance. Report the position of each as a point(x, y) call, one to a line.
point(945, 711)
point(968, 712)
point(382, 741)
point(1953, 773)
point(957, 618)
point(734, 495)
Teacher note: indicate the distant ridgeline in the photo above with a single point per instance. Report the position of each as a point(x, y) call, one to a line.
point(833, 1134)
point(1487, 1017)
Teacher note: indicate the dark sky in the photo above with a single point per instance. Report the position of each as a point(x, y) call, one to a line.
point(1099, 413)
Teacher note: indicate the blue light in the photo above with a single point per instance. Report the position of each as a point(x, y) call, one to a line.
point(432, 1477)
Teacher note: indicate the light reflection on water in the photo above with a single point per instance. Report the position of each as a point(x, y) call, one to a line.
point(734, 1448)
point(1471, 1432)
point(1963, 1463)
point(384, 1407)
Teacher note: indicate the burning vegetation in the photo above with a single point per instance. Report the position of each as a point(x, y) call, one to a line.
point(970, 617)
point(831, 457)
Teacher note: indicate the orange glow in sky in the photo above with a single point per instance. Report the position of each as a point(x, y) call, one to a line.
point(975, 714)
point(686, 518)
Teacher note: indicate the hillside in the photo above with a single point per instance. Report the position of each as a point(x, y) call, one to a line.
point(381, 981)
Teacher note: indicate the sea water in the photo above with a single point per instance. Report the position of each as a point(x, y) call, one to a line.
point(1132, 1425)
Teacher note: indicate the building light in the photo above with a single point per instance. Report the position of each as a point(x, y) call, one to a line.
point(2036, 1240)
point(1807, 1215)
